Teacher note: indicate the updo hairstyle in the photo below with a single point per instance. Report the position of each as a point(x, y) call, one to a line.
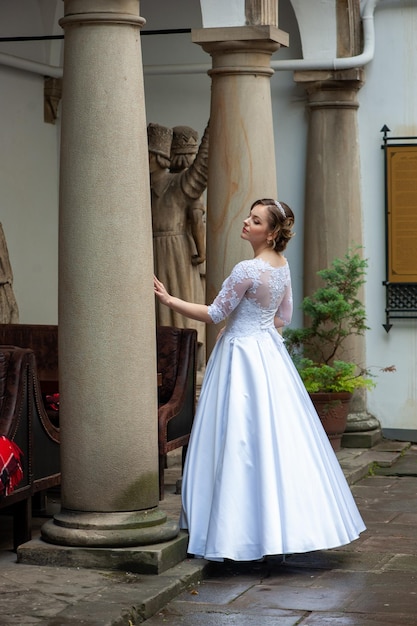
point(281, 221)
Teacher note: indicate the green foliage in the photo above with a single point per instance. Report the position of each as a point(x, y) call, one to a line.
point(372, 469)
point(340, 376)
point(334, 313)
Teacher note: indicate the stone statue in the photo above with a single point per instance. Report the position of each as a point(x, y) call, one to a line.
point(184, 148)
point(177, 218)
point(9, 312)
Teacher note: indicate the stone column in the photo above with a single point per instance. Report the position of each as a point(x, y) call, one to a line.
point(333, 212)
point(333, 208)
point(107, 345)
point(242, 155)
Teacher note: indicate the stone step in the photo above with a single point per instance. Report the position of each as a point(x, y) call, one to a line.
point(405, 465)
point(358, 462)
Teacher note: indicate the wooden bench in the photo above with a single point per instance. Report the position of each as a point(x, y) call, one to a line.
point(176, 360)
point(24, 420)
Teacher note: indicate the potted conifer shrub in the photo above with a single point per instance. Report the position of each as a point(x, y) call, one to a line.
point(333, 313)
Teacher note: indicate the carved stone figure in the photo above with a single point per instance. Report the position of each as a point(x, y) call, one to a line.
point(9, 312)
point(184, 148)
point(52, 94)
point(178, 228)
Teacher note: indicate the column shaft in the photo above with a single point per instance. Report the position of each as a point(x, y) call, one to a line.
point(107, 343)
point(333, 211)
point(242, 155)
point(333, 206)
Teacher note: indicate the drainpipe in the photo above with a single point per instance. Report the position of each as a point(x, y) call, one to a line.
point(341, 63)
point(33, 67)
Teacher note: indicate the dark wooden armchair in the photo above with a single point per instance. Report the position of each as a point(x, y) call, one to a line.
point(176, 359)
point(23, 419)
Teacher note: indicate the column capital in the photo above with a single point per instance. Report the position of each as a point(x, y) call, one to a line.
point(73, 7)
point(330, 79)
point(332, 88)
point(231, 34)
point(241, 49)
point(101, 11)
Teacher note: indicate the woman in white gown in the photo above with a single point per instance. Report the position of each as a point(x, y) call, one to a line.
point(260, 477)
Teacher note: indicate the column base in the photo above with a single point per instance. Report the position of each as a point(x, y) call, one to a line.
point(115, 530)
point(363, 439)
point(361, 421)
point(363, 430)
point(150, 559)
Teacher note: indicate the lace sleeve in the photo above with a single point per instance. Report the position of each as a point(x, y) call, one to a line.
point(284, 313)
point(231, 293)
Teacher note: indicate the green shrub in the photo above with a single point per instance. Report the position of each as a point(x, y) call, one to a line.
point(333, 313)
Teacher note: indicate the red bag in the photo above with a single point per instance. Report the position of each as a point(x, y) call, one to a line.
point(11, 472)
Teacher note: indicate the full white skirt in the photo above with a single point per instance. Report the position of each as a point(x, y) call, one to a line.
point(261, 477)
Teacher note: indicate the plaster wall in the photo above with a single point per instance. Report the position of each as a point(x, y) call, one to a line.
point(317, 23)
point(174, 99)
point(220, 13)
point(389, 97)
point(29, 163)
point(29, 196)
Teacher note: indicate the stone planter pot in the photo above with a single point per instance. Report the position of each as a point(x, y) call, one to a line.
point(333, 410)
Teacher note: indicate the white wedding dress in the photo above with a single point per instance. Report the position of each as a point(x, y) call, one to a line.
point(260, 477)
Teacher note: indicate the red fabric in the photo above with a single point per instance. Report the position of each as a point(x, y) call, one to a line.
point(53, 401)
point(11, 472)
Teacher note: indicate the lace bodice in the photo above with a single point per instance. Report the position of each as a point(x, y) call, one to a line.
point(252, 297)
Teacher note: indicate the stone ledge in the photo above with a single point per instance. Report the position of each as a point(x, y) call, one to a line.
point(151, 559)
point(356, 463)
point(365, 439)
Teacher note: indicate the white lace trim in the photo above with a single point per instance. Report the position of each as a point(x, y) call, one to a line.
point(253, 294)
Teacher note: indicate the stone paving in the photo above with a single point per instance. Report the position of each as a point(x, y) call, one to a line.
point(371, 582)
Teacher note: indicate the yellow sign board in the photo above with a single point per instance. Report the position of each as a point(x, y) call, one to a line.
point(402, 213)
